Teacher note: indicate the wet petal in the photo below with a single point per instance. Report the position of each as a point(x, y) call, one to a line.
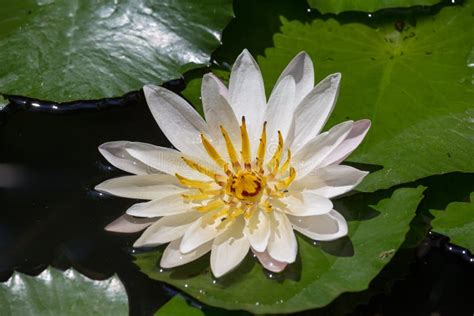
point(201, 231)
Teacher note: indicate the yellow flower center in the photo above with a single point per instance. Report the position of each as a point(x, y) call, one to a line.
point(245, 184)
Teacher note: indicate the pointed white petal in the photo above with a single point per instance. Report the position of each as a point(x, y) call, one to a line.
point(257, 230)
point(166, 160)
point(315, 151)
point(330, 181)
point(118, 157)
point(352, 141)
point(129, 224)
point(217, 110)
point(279, 111)
point(170, 205)
point(268, 262)
point(178, 120)
point(314, 110)
point(282, 245)
point(200, 232)
point(306, 204)
point(166, 229)
point(321, 227)
point(301, 69)
point(172, 257)
point(146, 187)
point(229, 248)
point(247, 92)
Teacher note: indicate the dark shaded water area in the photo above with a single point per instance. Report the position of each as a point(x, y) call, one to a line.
point(50, 214)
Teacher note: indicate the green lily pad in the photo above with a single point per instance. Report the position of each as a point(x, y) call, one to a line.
point(456, 222)
point(331, 6)
point(55, 292)
point(322, 272)
point(416, 85)
point(178, 306)
point(64, 50)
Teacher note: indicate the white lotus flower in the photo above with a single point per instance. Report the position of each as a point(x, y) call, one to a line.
point(245, 177)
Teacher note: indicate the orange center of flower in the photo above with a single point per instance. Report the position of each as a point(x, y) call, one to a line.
point(245, 183)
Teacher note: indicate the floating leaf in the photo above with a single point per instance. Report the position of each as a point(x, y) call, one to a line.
point(178, 306)
point(416, 85)
point(63, 50)
point(331, 6)
point(457, 222)
point(54, 292)
point(322, 272)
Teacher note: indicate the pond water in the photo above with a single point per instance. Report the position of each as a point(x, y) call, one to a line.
point(50, 214)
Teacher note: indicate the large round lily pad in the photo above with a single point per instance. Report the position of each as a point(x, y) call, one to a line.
point(65, 50)
point(322, 272)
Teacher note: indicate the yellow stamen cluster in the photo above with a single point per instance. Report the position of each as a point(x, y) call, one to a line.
point(245, 184)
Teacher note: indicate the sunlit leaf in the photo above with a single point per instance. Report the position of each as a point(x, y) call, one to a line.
point(416, 85)
point(65, 50)
point(322, 272)
point(178, 306)
point(457, 222)
point(54, 292)
point(331, 6)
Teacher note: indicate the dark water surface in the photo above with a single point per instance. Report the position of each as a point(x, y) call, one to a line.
point(50, 214)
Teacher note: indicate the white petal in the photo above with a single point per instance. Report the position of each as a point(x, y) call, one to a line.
point(280, 108)
point(172, 257)
point(166, 160)
point(178, 120)
point(200, 232)
point(257, 230)
point(229, 248)
point(129, 224)
point(247, 92)
point(116, 154)
point(315, 151)
point(352, 141)
point(301, 69)
point(147, 187)
point(321, 227)
point(314, 110)
point(269, 263)
point(217, 110)
point(166, 229)
point(170, 205)
point(306, 203)
point(282, 245)
point(330, 181)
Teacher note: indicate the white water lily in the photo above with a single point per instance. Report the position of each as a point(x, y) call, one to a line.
point(245, 177)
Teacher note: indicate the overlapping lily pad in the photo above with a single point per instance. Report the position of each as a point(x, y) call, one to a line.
point(457, 222)
point(64, 50)
point(178, 306)
point(331, 6)
point(54, 292)
point(415, 84)
point(322, 271)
